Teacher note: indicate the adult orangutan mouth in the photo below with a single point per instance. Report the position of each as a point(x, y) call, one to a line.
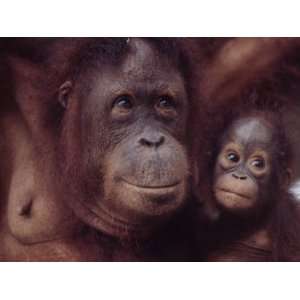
point(157, 195)
point(232, 193)
point(152, 187)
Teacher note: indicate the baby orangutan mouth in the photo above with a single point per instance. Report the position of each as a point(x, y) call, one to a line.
point(221, 192)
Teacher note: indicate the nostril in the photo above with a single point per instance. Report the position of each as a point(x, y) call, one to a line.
point(152, 143)
point(241, 177)
point(160, 141)
point(145, 142)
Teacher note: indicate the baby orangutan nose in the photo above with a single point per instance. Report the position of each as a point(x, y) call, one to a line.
point(239, 176)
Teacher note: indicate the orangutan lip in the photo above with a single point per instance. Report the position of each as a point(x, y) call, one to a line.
point(152, 187)
point(231, 192)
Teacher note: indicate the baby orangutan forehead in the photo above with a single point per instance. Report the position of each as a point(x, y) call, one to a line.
point(251, 131)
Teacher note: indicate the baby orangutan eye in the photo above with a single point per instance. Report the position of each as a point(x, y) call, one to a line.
point(233, 157)
point(258, 163)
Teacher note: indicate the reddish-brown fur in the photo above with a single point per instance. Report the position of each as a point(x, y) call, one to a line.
point(36, 222)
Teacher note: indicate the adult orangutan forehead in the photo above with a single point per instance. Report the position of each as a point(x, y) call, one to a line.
point(145, 54)
point(134, 59)
point(144, 64)
point(112, 51)
point(252, 131)
point(143, 67)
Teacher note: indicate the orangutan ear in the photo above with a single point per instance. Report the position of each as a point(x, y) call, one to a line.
point(64, 93)
point(288, 177)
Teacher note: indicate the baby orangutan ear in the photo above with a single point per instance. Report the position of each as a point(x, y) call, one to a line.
point(288, 177)
point(64, 92)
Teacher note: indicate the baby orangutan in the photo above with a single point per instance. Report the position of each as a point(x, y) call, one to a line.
point(257, 219)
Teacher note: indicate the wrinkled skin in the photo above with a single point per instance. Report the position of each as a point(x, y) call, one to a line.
point(243, 171)
point(50, 217)
point(257, 219)
point(124, 158)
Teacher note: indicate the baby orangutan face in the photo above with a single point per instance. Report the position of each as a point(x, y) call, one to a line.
point(243, 168)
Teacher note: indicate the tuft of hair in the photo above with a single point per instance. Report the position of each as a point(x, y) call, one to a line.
point(99, 52)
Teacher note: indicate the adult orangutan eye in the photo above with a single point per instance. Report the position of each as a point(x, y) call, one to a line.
point(166, 102)
point(233, 157)
point(123, 102)
point(258, 163)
